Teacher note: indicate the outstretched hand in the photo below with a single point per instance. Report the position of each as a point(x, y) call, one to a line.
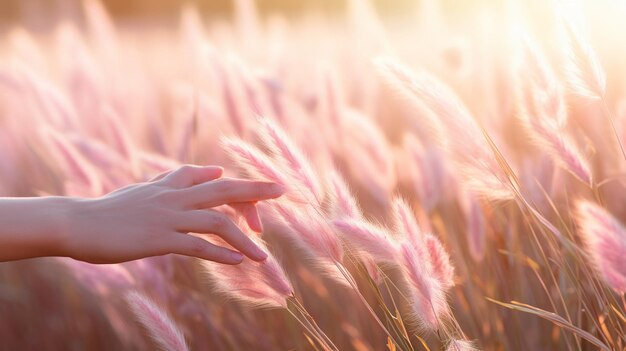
point(156, 217)
point(139, 220)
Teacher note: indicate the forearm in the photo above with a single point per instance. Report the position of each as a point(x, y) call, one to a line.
point(33, 227)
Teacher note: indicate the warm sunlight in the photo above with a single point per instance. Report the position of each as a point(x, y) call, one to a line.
point(313, 175)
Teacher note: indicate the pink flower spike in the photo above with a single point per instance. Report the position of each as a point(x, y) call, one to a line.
point(342, 204)
point(427, 297)
point(604, 238)
point(255, 284)
point(159, 325)
point(256, 163)
point(292, 159)
point(368, 238)
point(583, 69)
point(441, 265)
point(405, 222)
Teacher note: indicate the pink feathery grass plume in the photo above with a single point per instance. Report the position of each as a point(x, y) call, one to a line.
point(343, 206)
point(255, 284)
point(560, 147)
point(368, 238)
point(460, 345)
point(584, 72)
point(258, 165)
point(604, 238)
point(341, 203)
point(427, 171)
point(540, 92)
point(371, 267)
point(427, 298)
point(428, 91)
point(405, 222)
point(465, 142)
point(426, 267)
point(426, 246)
point(442, 268)
point(291, 158)
point(475, 225)
point(312, 231)
point(158, 324)
point(314, 235)
point(543, 113)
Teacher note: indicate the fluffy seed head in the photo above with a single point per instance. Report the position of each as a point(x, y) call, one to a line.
point(584, 72)
point(256, 284)
point(467, 147)
point(440, 261)
point(341, 202)
point(604, 238)
point(159, 325)
point(368, 238)
point(560, 147)
point(291, 159)
point(540, 93)
point(405, 223)
point(312, 231)
point(427, 297)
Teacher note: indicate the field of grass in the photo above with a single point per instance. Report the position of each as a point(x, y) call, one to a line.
point(454, 175)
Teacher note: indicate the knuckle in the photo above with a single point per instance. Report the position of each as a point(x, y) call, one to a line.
point(219, 221)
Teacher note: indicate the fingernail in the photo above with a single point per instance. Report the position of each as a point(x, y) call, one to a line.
point(236, 256)
point(276, 188)
point(260, 254)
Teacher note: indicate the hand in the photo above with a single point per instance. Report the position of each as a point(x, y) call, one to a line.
point(156, 217)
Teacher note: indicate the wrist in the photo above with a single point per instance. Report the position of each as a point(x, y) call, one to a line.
point(63, 224)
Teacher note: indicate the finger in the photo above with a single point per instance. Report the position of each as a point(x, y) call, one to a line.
point(160, 176)
point(189, 175)
point(249, 211)
point(192, 246)
point(213, 222)
point(228, 190)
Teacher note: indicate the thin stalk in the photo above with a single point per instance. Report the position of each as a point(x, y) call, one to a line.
point(609, 116)
point(306, 314)
point(313, 331)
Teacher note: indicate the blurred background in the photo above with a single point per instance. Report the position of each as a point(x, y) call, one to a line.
point(169, 71)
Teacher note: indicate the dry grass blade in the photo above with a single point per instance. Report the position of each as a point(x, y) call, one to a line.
point(554, 318)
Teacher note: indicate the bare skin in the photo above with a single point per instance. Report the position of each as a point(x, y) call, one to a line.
point(139, 220)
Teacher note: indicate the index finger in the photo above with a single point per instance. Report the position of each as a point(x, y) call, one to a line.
point(229, 190)
point(189, 175)
point(249, 211)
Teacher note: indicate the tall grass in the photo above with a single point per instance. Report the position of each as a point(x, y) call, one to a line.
point(443, 191)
